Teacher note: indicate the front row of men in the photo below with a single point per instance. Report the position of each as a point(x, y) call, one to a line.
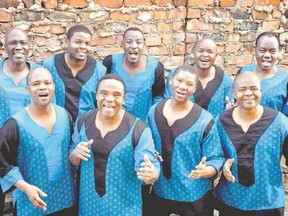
point(115, 153)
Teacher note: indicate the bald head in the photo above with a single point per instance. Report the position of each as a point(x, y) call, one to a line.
point(41, 71)
point(245, 77)
point(15, 31)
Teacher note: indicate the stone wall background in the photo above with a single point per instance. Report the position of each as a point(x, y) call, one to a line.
point(171, 27)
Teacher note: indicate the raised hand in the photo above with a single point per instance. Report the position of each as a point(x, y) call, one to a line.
point(147, 172)
point(227, 170)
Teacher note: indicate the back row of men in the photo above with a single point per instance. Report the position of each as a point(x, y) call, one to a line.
point(115, 151)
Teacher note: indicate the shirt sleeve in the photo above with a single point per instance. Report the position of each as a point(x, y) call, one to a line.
point(9, 171)
point(159, 84)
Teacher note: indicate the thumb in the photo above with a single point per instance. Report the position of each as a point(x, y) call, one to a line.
point(227, 99)
point(203, 161)
point(89, 143)
point(146, 158)
point(41, 193)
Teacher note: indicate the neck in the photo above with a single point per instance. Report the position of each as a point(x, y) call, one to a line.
point(180, 106)
point(205, 73)
point(40, 111)
point(111, 120)
point(11, 66)
point(265, 73)
point(74, 63)
point(250, 115)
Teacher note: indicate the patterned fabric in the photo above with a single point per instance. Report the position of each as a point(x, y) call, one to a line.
point(266, 192)
point(13, 98)
point(34, 169)
point(190, 145)
point(122, 193)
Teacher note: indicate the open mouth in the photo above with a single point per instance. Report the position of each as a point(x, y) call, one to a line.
point(43, 95)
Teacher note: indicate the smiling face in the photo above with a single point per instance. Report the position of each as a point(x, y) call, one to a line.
point(16, 46)
point(133, 45)
point(110, 97)
point(267, 52)
point(183, 84)
point(205, 54)
point(79, 45)
point(40, 86)
point(247, 90)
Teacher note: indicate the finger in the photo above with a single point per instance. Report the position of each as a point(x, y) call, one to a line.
point(41, 193)
point(227, 101)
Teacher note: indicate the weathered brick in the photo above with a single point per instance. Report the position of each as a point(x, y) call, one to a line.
point(102, 52)
point(218, 37)
point(29, 16)
point(109, 4)
point(166, 38)
point(193, 13)
point(248, 48)
point(172, 61)
point(163, 27)
point(276, 14)
point(54, 29)
point(134, 3)
point(201, 3)
point(117, 15)
point(248, 37)
point(5, 17)
point(220, 48)
point(8, 3)
point(145, 27)
point(241, 15)
point(178, 3)
point(93, 16)
point(75, 3)
point(50, 4)
point(231, 70)
point(248, 3)
point(267, 2)
point(191, 38)
point(178, 26)
point(62, 16)
point(232, 47)
point(163, 2)
point(97, 40)
point(229, 27)
point(177, 13)
point(179, 49)
point(154, 51)
point(228, 3)
point(239, 60)
point(197, 25)
point(160, 14)
point(28, 3)
point(153, 40)
point(49, 41)
point(250, 25)
point(271, 24)
point(164, 50)
point(258, 15)
point(233, 37)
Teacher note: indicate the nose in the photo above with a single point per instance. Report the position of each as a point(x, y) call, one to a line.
point(42, 86)
point(182, 85)
point(248, 92)
point(134, 44)
point(109, 98)
point(18, 46)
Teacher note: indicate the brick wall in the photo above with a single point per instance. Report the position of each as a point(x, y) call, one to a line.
point(171, 27)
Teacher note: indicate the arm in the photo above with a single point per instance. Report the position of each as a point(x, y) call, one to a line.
point(107, 62)
point(9, 166)
point(159, 84)
point(146, 164)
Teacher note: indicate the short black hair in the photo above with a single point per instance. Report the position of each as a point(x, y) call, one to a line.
point(113, 77)
point(269, 34)
point(132, 29)
point(77, 28)
point(187, 68)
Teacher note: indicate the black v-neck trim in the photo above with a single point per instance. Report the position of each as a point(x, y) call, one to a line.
point(102, 147)
point(203, 97)
point(168, 133)
point(245, 143)
point(73, 85)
